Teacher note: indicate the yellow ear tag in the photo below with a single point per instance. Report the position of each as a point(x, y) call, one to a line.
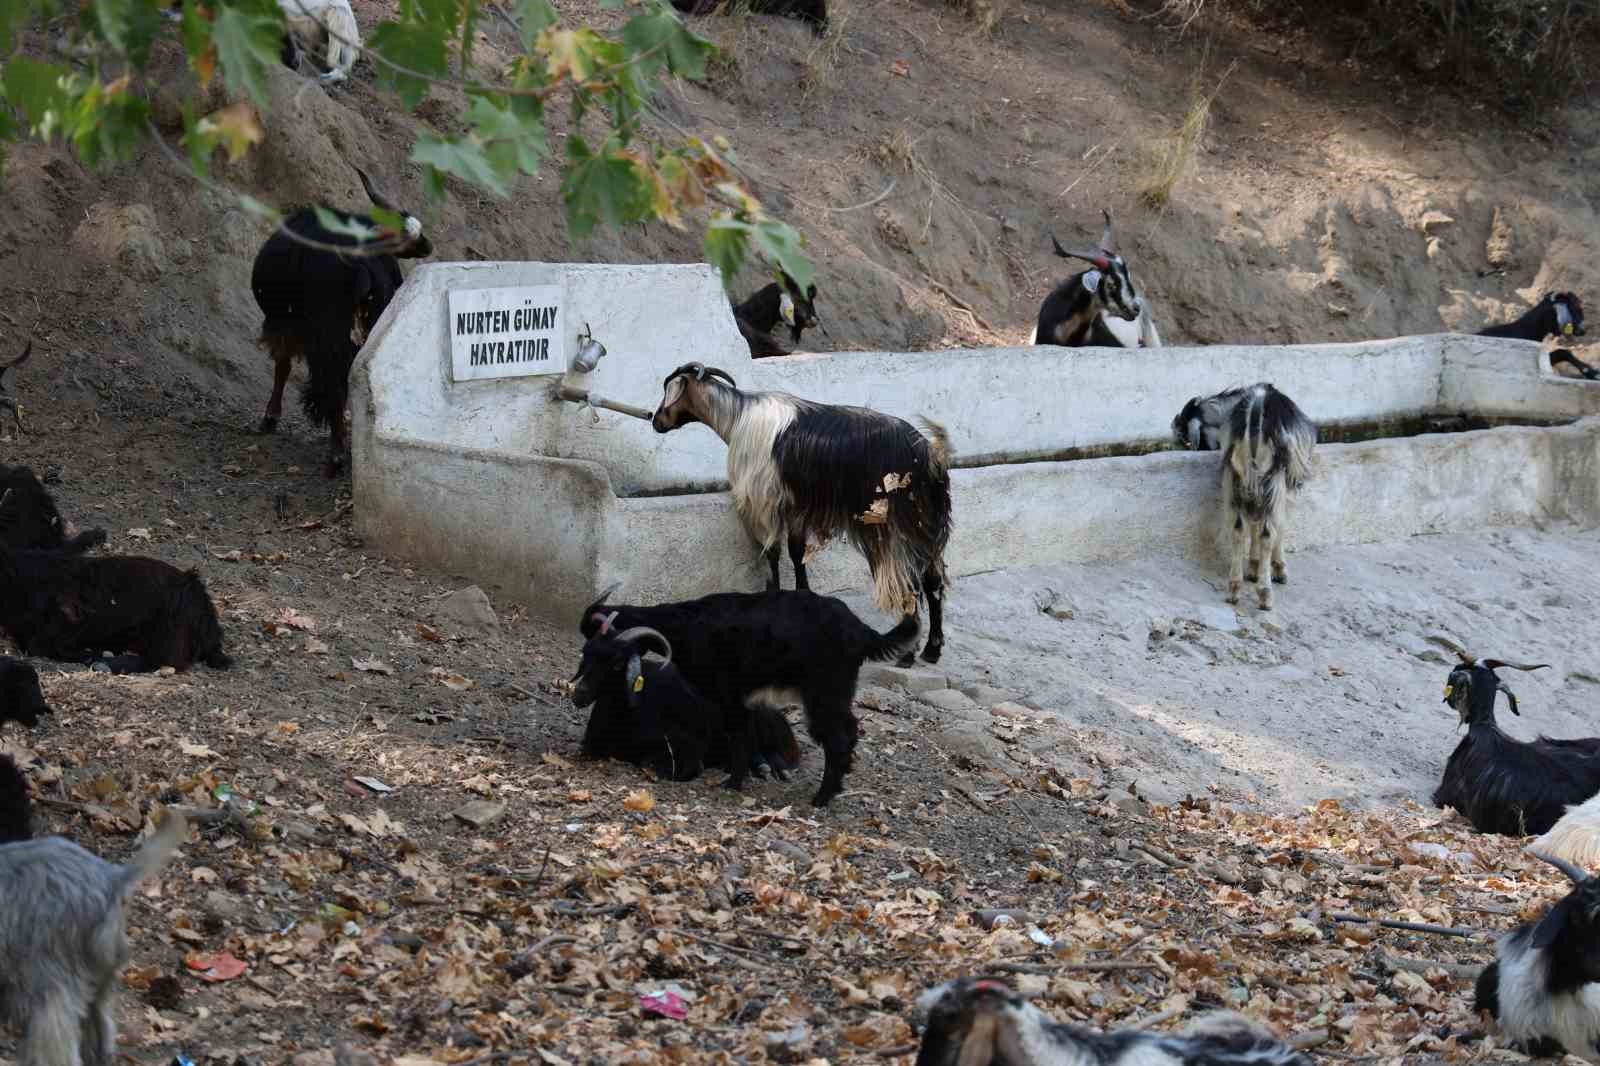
point(1567, 329)
point(1447, 689)
point(638, 683)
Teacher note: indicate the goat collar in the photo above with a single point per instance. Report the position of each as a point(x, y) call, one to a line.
point(1563, 318)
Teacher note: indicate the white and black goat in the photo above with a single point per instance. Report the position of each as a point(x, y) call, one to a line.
point(743, 650)
point(1543, 988)
point(1266, 458)
point(647, 714)
point(982, 1022)
point(63, 939)
point(778, 301)
point(1499, 783)
point(9, 403)
point(1099, 308)
point(1557, 314)
point(319, 303)
point(1576, 835)
point(802, 469)
point(326, 29)
point(1203, 422)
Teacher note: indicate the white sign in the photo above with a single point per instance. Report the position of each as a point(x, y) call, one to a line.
point(507, 333)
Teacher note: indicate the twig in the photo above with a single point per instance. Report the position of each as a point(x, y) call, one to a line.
point(853, 207)
point(1106, 966)
point(1095, 165)
point(1413, 927)
point(542, 865)
point(1460, 971)
point(1314, 1038)
point(1159, 1017)
point(896, 1051)
point(713, 943)
point(959, 302)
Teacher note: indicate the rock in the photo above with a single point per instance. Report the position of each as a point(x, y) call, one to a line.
point(1130, 804)
point(125, 239)
point(1412, 644)
point(988, 919)
point(468, 607)
point(479, 813)
point(915, 680)
point(1008, 709)
point(229, 909)
point(986, 695)
point(1433, 218)
point(1224, 619)
point(1160, 628)
point(1055, 604)
point(1500, 248)
point(972, 748)
point(793, 852)
point(948, 699)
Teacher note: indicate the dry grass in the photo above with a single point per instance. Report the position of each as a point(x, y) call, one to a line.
point(1171, 160)
point(822, 62)
point(988, 14)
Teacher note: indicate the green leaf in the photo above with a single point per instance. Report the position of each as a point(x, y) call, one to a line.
point(782, 243)
point(39, 89)
point(247, 43)
point(671, 44)
point(727, 245)
point(462, 157)
point(440, 14)
point(129, 26)
point(14, 14)
point(413, 45)
point(534, 16)
point(197, 42)
point(107, 122)
point(605, 188)
point(514, 141)
point(344, 226)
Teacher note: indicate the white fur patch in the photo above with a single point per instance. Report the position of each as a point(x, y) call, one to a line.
point(1528, 1012)
point(413, 227)
point(786, 308)
point(1576, 836)
point(752, 472)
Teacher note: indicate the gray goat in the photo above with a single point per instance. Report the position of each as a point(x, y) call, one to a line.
point(63, 938)
point(1266, 457)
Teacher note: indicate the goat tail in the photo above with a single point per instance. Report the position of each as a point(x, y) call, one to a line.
point(343, 35)
point(1576, 835)
point(327, 387)
point(896, 644)
point(939, 453)
point(155, 852)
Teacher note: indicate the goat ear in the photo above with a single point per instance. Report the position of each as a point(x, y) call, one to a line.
point(1553, 924)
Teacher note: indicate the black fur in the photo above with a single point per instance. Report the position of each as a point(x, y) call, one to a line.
point(21, 698)
point(665, 724)
point(1271, 423)
point(760, 314)
point(29, 519)
point(1565, 355)
point(1073, 316)
point(16, 808)
point(1504, 785)
point(732, 645)
point(812, 12)
point(1203, 420)
point(1542, 320)
point(72, 608)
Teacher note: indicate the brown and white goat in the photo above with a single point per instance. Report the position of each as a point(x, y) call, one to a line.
point(1266, 458)
point(802, 469)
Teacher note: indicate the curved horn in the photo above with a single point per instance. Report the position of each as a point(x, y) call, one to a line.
point(1577, 875)
point(715, 372)
point(373, 194)
point(1096, 258)
point(23, 358)
point(1495, 664)
point(1105, 237)
point(1461, 653)
point(606, 595)
point(628, 636)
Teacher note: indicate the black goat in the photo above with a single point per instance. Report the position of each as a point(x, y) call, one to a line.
point(1501, 784)
point(1543, 988)
point(16, 808)
point(29, 519)
point(1084, 310)
point(812, 12)
point(1557, 314)
point(745, 649)
point(21, 698)
point(319, 304)
point(779, 301)
point(647, 714)
point(72, 608)
point(982, 1022)
point(801, 469)
point(9, 403)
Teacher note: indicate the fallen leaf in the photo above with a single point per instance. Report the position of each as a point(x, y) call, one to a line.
point(427, 632)
point(455, 682)
point(640, 800)
point(197, 751)
point(233, 556)
point(900, 68)
point(141, 533)
point(295, 620)
point(219, 967)
point(317, 647)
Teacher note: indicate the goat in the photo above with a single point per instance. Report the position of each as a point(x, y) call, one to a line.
point(800, 469)
point(1498, 783)
point(71, 608)
point(1576, 835)
point(1543, 987)
point(1203, 422)
point(16, 808)
point(1079, 312)
point(319, 303)
point(647, 714)
point(744, 649)
point(1266, 459)
point(779, 301)
point(21, 698)
point(1557, 313)
point(29, 518)
point(982, 1022)
point(8, 403)
point(812, 12)
point(63, 937)
point(329, 28)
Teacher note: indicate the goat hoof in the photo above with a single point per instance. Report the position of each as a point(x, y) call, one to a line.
point(1266, 603)
point(269, 424)
point(931, 653)
point(822, 797)
point(1280, 577)
point(1251, 576)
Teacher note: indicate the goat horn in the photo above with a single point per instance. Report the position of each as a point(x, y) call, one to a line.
point(1461, 653)
point(4, 496)
point(605, 621)
point(628, 636)
point(373, 194)
point(1577, 875)
point(715, 372)
point(606, 595)
point(23, 358)
point(1495, 664)
point(1105, 238)
point(1094, 257)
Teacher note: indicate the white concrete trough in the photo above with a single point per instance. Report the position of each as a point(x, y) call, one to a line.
point(465, 459)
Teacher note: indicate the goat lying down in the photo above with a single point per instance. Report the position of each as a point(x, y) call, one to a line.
point(1558, 314)
point(1543, 988)
point(325, 28)
point(982, 1022)
point(1575, 837)
point(1099, 308)
point(778, 301)
point(63, 938)
point(1266, 458)
point(29, 518)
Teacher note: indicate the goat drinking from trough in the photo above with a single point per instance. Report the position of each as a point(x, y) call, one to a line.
point(741, 650)
point(982, 1022)
point(9, 403)
point(1203, 422)
point(801, 469)
point(319, 303)
point(1266, 458)
point(21, 698)
point(1543, 988)
point(71, 608)
point(1095, 308)
point(647, 714)
point(1558, 314)
point(778, 301)
point(1501, 784)
point(63, 939)
point(29, 518)
point(326, 29)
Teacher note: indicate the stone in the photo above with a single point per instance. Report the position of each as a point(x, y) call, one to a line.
point(1009, 709)
point(948, 699)
point(229, 908)
point(125, 239)
point(1412, 644)
point(468, 607)
point(972, 748)
point(1224, 619)
point(915, 680)
point(479, 813)
point(986, 695)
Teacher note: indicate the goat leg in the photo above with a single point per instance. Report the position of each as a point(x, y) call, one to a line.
point(1264, 535)
point(280, 378)
point(797, 556)
point(1280, 570)
point(774, 553)
point(933, 588)
point(1239, 545)
point(738, 722)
